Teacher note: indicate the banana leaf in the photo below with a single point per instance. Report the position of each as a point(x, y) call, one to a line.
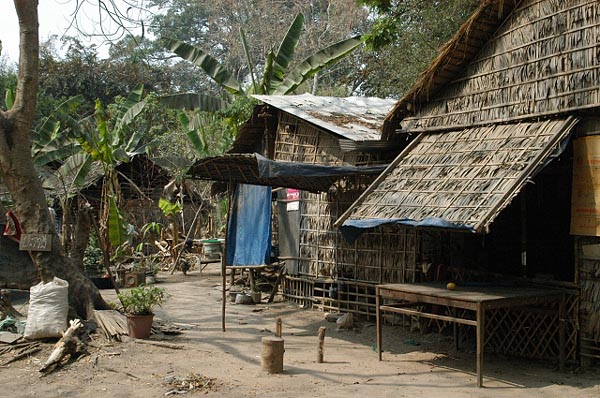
point(117, 227)
point(248, 59)
point(315, 63)
point(286, 50)
point(206, 62)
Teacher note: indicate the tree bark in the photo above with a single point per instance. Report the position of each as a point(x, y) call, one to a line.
point(20, 176)
point(82, 235)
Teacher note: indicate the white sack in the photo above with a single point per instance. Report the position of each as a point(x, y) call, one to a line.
point(48, 309)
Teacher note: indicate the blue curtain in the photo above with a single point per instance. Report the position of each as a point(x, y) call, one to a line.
point(249, 226)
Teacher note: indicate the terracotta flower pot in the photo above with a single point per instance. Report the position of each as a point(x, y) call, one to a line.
point(139, 326)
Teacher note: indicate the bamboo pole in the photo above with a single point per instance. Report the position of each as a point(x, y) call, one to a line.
point(224, 257)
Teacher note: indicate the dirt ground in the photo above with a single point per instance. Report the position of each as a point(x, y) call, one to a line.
point(227, 364)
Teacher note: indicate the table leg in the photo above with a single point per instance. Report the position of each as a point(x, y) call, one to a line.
point(480, 343)
point(455, 329)
point(378, 318)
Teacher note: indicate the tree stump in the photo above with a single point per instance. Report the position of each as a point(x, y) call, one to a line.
point(272, 354)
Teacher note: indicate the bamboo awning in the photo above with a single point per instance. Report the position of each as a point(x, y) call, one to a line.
point(460, 179)
point(258, 170)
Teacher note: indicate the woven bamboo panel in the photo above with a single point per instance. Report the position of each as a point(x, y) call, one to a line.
point(521, 332)
point(465, 177)
point(532, 332)
point(381, 255)
point(542, 60)
point(298, 141)
point(588, 263)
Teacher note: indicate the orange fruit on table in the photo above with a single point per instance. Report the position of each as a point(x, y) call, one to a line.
point(451, 286)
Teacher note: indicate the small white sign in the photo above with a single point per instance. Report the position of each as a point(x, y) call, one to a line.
point(293, 206)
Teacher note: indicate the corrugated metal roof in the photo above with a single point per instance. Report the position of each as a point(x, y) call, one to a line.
point(355, 118)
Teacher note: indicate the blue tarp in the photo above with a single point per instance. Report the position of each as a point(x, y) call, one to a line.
point(268, 168)
point(352, 229)
point(249, 226)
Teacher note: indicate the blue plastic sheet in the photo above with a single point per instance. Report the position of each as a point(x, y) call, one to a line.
point(249, 227)
point(352, 229)
point(268, 168)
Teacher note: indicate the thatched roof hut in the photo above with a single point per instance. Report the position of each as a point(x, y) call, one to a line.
point(511, 99)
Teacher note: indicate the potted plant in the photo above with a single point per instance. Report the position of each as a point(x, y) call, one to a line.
point(138, 303)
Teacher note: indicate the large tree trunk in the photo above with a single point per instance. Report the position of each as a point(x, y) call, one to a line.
point(20, 176)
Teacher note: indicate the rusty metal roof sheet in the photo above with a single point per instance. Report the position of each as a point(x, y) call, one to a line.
point(354, 118)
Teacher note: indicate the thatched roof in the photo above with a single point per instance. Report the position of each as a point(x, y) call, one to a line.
point(257, 170)
point(461, 178)
point(510, 61)
point(453, 56)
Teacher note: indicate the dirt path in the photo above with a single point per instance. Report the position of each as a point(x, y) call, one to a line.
point(431, 369)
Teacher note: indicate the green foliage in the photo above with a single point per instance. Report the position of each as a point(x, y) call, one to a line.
point(278, 77)
point(53, 135)
point(92, 256)
point(118, 231)
point(142, 299)
point(169, 208)
point(404, 38)
point(8, 83)
point(112, 141)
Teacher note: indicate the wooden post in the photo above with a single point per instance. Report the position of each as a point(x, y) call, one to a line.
point(278, 328)
point(378, 320)
point(224, 258)
point(480, 342)
point(272, 354)
point(322, 331)
point(562, 315)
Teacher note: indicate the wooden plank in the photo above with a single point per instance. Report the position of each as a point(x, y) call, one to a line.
point(9, 337)
point(446, 318)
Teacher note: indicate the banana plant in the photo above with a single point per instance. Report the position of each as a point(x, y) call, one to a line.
point(111, 143)
point(277, 77)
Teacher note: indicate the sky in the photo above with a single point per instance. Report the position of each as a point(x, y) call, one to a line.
point(55, 17)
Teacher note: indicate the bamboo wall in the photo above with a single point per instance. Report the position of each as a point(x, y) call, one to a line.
point(541, 61)
point(382, 255)
point(588, 263)
point(298, 141)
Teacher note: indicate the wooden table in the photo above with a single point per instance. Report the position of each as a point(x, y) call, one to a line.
point(472, 298)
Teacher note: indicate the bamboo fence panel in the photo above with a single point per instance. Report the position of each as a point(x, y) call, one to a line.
point(542, 60)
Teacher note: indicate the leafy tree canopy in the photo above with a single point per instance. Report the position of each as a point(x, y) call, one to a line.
point(405, 37)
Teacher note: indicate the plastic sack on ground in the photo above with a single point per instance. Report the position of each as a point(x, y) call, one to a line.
point(48, 309)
